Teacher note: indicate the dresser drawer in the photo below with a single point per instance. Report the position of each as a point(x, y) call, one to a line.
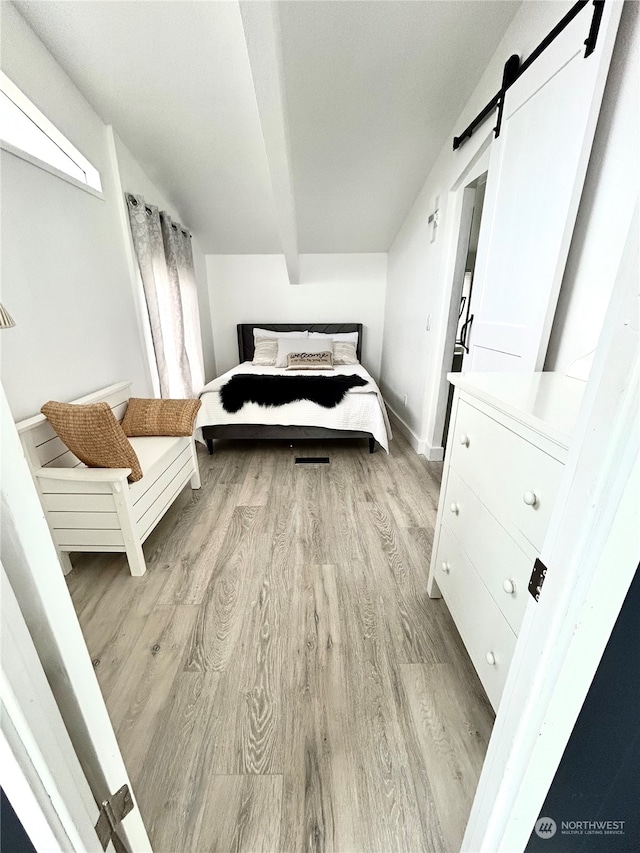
point(504, 568)
point(484, 630)
point(515, 479)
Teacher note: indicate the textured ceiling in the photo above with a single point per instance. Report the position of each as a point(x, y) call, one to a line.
point(371, 91)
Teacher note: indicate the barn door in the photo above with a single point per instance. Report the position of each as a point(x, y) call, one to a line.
point(537, 169)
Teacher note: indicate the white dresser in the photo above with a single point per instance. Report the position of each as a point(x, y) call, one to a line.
point(507, 445)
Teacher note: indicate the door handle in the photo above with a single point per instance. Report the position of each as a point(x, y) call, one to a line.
point(464, 332)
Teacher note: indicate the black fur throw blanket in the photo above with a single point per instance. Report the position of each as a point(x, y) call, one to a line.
point(326, 391)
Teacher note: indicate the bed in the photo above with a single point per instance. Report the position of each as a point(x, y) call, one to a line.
point(361, 414)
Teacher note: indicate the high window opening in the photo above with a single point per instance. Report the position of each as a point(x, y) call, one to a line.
point(28, 133)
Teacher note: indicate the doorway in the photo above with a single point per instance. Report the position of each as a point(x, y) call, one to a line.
point(473, 204)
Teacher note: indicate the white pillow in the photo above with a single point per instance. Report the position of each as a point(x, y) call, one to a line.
point(344, 353)
point(342, 337)
point(270, 333)
point(288, 345)
point(265, 352)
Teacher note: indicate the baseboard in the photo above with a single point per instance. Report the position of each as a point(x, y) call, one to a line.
point(405, 429)
point(432, 454)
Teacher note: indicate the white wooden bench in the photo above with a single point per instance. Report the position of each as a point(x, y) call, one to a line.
point(97, 509)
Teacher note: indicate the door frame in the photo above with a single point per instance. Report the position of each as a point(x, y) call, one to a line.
point(35, 575)
point(39, 769)
point(592, 550)
point(562, 638)
point(457, 234)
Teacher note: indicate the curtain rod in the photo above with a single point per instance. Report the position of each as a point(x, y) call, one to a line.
point(513, 69)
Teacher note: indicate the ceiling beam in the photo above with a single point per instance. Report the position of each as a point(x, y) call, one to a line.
point(262, 35)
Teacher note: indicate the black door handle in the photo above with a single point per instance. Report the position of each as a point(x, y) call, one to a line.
point(466, 328)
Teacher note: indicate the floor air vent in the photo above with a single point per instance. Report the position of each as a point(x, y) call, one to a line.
point(312, 460)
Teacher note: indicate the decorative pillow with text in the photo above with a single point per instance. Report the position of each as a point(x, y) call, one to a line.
point(310, 360)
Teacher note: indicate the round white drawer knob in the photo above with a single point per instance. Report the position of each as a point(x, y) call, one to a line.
point(508, 586)
point(490, 658)
point(530, 498)
point(446, 568)
point(455, 509)
point(464, 440)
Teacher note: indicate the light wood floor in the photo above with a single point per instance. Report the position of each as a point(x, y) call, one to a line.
point(279, 680)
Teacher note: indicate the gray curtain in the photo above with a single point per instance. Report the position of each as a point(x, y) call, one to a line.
point(179, 257)
point(165, 260)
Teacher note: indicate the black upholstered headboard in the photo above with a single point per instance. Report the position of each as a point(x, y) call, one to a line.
point(245, 333)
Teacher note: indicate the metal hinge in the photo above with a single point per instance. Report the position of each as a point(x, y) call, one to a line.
point(538, 575)
point(112, 811)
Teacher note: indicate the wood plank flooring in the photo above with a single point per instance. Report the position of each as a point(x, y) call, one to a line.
point(279, 679)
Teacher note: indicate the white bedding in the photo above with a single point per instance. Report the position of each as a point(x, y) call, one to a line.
point(362, 409)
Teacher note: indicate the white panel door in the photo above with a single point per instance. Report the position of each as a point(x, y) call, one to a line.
point(33, 571)
point(39, 769)
point(537, 169)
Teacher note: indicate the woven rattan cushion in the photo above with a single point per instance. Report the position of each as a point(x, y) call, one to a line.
point(94, 435)
point(160, 417)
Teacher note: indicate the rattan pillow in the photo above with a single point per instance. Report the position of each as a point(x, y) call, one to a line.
point(94, 435)
point(160, 417)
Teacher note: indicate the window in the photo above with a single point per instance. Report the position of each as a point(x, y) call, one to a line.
point(24, 130)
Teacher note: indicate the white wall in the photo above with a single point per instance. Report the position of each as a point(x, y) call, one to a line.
point(418, 271)
point(334, 289)
point(68, 276)
point(65, 278)
point(411, 355)
point(134, 179)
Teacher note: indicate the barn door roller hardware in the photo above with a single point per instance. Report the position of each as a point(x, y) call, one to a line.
point(513, 69)
point(112, 811)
